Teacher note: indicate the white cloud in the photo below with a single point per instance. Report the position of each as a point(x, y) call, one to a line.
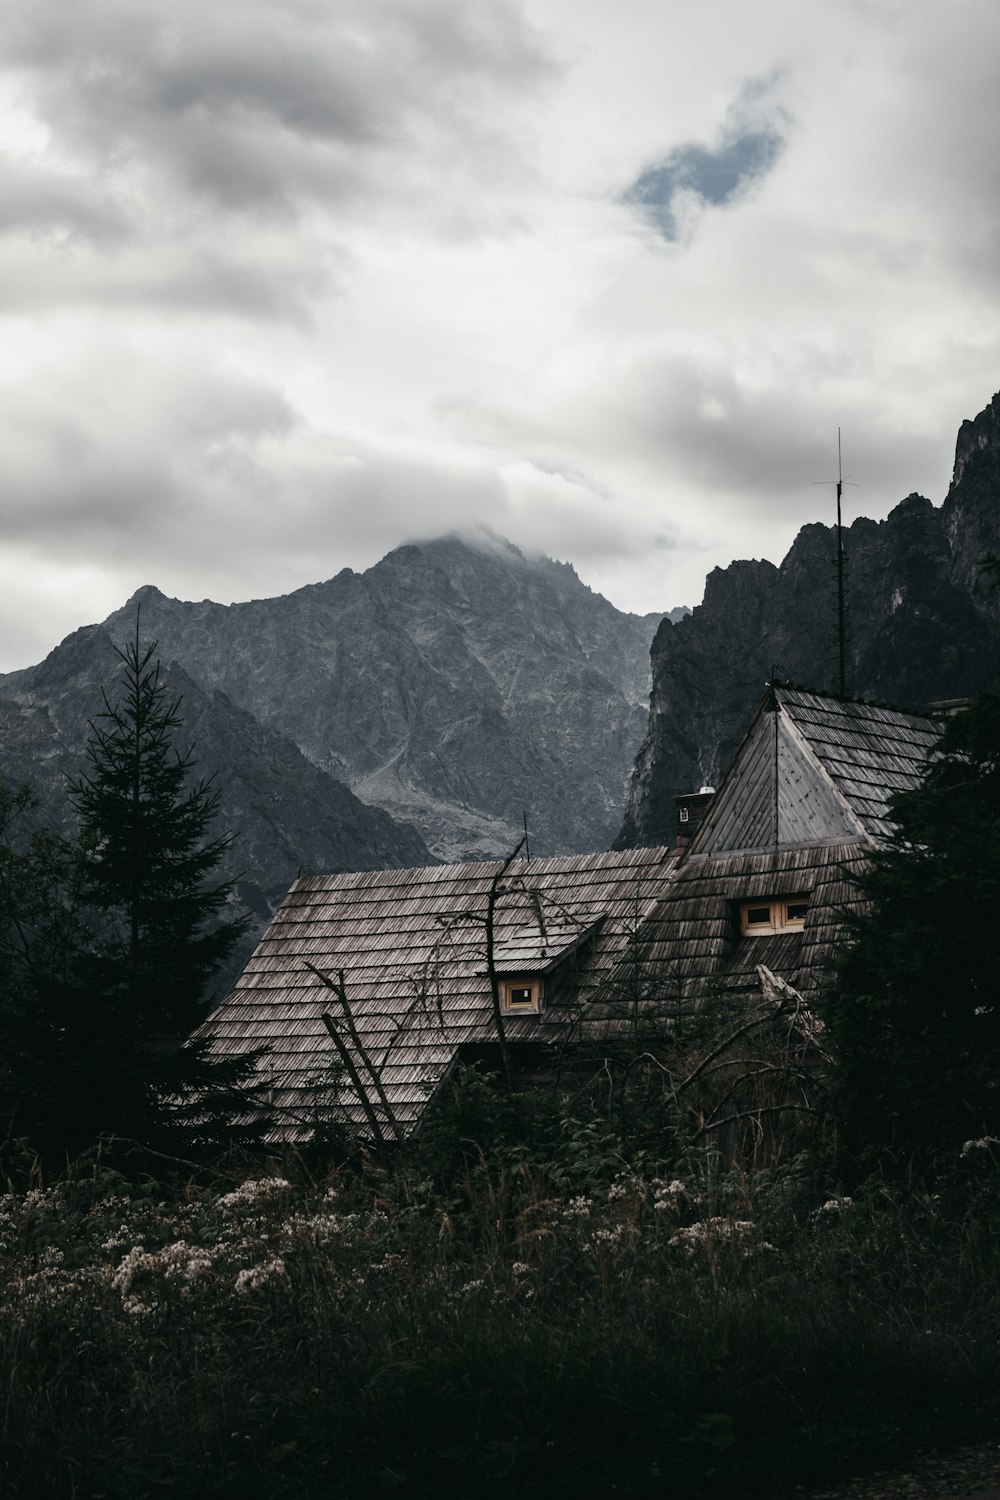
point(283, 285)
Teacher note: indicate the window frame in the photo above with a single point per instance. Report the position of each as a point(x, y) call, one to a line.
point(530, 982)
point(778, 921)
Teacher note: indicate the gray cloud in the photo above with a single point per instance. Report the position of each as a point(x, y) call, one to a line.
point(113, 448)
point(261, 102)
point(55, 204)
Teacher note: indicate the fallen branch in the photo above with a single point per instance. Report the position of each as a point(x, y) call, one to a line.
point(754, 1115)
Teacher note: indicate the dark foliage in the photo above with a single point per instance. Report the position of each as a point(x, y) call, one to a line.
point(108, 946)
point(913, 1016)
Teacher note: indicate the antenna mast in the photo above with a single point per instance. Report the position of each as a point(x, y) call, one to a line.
point(840, 481)
point(841, 638)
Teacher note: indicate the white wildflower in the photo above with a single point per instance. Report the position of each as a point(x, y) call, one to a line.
point(834, 1206)
point(256, 1278)
point(693, 1236)
point(982, 1144)
point(668, 1197)
point(254, 1193)
point(520, 1268)
point(136, 1308)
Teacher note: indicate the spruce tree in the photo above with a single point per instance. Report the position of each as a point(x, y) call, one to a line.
point(146, 865)
point(914, 1012)
point(46, 1039)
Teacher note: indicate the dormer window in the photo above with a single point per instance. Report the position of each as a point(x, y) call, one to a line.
point(772, 915)
point(521, 996)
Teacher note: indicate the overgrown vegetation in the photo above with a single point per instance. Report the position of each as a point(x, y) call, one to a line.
point(284, 1334)
point(639, 1275)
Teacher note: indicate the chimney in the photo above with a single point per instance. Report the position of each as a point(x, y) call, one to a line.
point(691, 810)
point(947, 708)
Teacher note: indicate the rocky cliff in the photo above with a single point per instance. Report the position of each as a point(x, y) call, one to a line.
point(455, 684)
point(923, 622)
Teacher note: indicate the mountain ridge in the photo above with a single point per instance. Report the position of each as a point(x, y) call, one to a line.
point(457, 686)
point(923, 623)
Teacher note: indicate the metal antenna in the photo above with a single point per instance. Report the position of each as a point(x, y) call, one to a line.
point(840, 481)
point(527, 846)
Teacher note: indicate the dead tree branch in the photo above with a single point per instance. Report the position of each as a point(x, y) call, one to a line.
point(339, 988)
point(491, 906)
point(352, 1073)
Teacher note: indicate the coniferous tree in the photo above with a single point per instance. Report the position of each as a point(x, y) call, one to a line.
point(44, 1036)
point(914, 1013)
point(147, 857)
point(146, 864)
point(108, 946)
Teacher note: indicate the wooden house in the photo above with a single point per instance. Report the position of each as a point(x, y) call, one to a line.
point(409, 951)
point(396, 975)
point(769, 873)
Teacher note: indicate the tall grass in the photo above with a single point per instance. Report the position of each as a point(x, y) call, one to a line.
point(292, 1336)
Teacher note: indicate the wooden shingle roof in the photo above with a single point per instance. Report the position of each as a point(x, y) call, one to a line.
point(814, 769)
point(868, 752)
point(693, 939)
point(411, 946)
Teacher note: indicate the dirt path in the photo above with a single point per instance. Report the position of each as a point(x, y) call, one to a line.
point(971, 1473)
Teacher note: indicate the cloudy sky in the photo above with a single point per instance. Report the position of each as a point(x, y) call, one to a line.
point(287, 282)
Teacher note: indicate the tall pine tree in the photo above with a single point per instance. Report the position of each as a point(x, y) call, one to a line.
point(147, 858)
point(146, 863)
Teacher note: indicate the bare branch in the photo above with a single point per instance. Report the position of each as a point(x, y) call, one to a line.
point(339, 988)
point(352, 1073)
point(753, 1115)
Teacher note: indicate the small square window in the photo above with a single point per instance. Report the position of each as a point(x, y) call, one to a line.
point(523, 995)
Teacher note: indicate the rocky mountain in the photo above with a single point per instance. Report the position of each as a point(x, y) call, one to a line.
point(455, 684)
point(286, 815)
point(923, 623)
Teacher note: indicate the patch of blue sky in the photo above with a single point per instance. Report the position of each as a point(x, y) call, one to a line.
point(716, 176)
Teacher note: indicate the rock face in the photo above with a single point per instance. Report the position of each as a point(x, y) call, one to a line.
point(287, 816)
point(454, 684)
point(923, 623)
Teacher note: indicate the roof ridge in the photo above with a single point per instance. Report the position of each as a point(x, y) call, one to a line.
point(847, 700)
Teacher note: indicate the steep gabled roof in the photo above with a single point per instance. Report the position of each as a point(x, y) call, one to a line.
point(868, 752)
point(814, 769)
point(412, 949)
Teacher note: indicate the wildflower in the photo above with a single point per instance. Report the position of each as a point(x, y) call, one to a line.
point(253, 1193)
point(520, 1268)
point(668, 1197)
point(577, 1208)
point(983, 1144)
point(693, 1236)
point(256, 1278)
point(834, 1206)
